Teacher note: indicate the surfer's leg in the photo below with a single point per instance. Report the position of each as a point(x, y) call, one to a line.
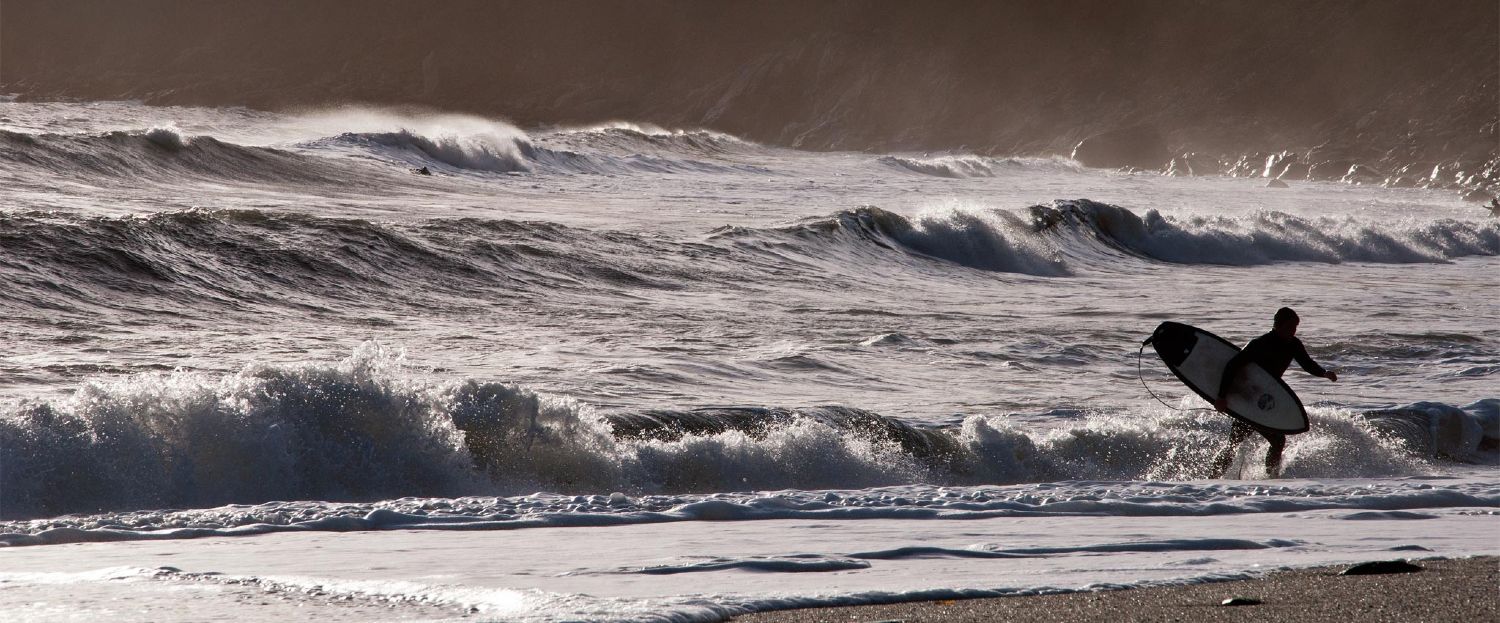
point(1273, 454)
point(1237, 433)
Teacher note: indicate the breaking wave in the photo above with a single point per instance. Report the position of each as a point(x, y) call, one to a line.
point(494, 147)
point(635, 137)
point(996, 240)
point(470, 153)
point(370, 427)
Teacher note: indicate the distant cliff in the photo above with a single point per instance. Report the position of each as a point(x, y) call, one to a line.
point(1382, 84)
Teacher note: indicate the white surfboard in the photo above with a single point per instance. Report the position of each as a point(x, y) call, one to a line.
point(1255, 397)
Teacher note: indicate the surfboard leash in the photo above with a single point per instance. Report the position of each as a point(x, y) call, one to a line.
point(1141, 375)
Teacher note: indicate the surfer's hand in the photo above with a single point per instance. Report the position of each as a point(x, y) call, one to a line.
point(1331, 375)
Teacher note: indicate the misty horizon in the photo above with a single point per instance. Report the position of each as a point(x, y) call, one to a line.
point(1389, 82)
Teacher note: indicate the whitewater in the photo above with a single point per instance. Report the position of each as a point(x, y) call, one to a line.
point(259, 365)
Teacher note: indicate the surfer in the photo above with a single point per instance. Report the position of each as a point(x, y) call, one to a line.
point(1274, 352)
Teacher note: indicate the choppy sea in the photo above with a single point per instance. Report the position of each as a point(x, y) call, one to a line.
point(257, 365)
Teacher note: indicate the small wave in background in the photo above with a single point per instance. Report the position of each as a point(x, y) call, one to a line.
point(461, 144)
point(959, 166)
point(159, 154)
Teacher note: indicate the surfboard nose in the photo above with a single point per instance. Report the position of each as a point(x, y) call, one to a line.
point(1173, 341)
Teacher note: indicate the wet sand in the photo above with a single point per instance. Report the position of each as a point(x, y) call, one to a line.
point(1462, 590)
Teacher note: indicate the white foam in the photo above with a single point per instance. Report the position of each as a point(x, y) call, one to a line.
point(630, 572)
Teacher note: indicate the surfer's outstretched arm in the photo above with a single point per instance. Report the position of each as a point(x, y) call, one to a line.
point(1312, 367)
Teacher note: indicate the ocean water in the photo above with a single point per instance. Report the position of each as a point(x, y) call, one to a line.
point(625, 372)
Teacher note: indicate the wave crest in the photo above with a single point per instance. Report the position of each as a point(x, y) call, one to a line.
point(482, 152)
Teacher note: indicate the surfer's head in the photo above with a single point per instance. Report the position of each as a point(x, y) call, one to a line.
point(1285, 322)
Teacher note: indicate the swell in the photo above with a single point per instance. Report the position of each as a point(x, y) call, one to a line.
point(370, 427)
point(163, 154)
point(240, 259)
point(247, 258)
point(1079, 235)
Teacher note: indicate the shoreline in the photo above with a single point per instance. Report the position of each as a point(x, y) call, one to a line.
point(1457, 589)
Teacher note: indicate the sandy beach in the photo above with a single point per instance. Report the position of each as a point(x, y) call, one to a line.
point(1465, 589)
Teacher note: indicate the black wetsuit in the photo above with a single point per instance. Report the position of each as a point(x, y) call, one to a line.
point(1275, 354)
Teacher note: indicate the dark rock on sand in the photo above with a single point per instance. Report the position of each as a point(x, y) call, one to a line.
point(1381, 567)
point(1240, 601)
